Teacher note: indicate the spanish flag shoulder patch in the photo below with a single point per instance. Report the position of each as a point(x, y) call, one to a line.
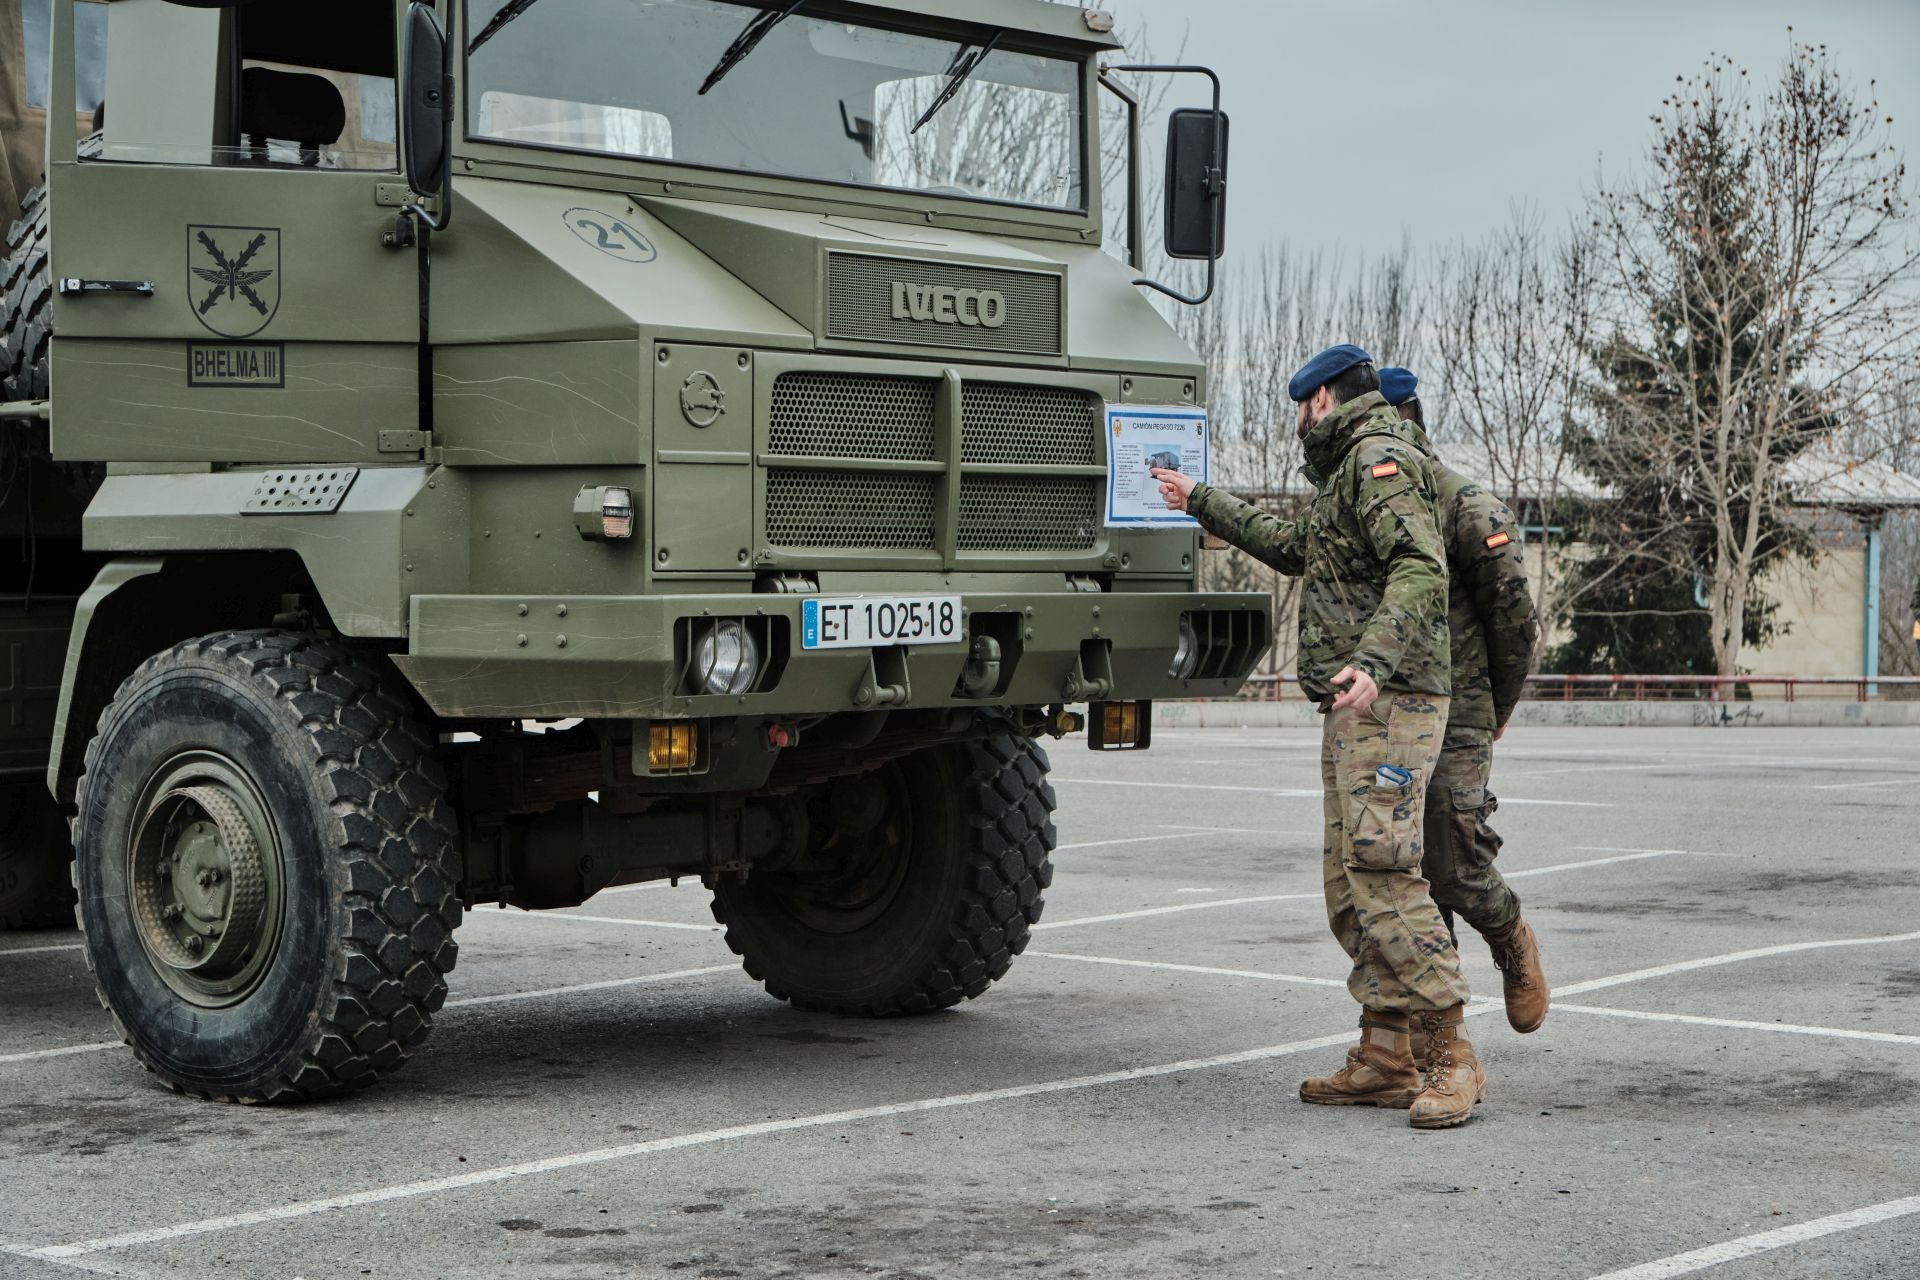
point(1381, 470)
point(1498, 540)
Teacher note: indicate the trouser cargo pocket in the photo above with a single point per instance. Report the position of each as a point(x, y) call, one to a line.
point(1385, 822)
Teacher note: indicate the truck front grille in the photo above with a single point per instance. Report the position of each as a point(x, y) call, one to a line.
point(851, 416)
point(1005, 422)
point(1020, 446)
point(1014, 513)
point(850, 510)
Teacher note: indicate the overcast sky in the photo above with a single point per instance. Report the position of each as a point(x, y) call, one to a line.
point(1459, 108)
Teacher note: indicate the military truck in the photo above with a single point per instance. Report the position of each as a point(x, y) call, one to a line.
point(470, 456)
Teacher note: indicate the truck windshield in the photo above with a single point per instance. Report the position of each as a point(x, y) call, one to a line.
point(831, 101)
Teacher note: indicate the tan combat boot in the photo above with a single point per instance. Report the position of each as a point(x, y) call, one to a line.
point(1453, 1077)
point(1379, 1070)
point(1517, 954)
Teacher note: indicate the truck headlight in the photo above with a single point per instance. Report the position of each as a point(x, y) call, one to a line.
point(604, 513)
point(725, 659)
point(1186, 655)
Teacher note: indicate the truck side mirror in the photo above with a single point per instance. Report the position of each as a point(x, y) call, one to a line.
point(426, 101)
point(1196, 194)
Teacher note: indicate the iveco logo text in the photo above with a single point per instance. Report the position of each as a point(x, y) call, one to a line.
point(941, 304)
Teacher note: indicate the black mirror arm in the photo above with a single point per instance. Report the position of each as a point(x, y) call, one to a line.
point(1216, 175)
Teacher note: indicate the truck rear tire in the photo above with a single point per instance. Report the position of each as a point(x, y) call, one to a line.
point(28, 307)
point(928, 909)
point(267, 867)
point(36, 888)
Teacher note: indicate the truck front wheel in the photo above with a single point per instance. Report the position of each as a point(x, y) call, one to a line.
point(267, 866)
point(921, 897)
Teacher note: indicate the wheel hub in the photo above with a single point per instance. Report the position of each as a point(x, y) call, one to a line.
point(204, 877)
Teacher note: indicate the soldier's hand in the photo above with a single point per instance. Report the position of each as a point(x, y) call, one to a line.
point(1500, 733)
point(1362, 690)
point(1175, 488)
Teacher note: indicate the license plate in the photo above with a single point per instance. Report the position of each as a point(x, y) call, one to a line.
point(866, 622)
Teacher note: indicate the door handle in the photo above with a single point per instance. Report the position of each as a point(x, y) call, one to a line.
point(73, 288)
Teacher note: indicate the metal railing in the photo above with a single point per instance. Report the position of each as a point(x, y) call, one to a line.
point(1276, 688)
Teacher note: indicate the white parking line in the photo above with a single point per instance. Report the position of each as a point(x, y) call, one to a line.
point(1101, 844)
point(574, 1160)
point(34, 951)
point(97, 1046)
point(1191, 968)
point(609, 984)
point(1736, 1024)
point(1732, 957)
point(1482, 1006)
point(1145, 912)
point(515, 914)
point(1713, 1255)
point(465, 1002)
point(1850, 786)
point(1291, 793)
point(1208, 905)
point(1768, 762)
point(1690, 853)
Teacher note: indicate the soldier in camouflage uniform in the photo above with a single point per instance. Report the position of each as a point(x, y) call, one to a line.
point(1493, 631)
point(1373, 618)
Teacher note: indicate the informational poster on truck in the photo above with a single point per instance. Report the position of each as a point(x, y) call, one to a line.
point(1141, 438)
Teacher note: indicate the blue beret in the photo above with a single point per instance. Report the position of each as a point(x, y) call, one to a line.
point(1324, 368)
point(1398, 385)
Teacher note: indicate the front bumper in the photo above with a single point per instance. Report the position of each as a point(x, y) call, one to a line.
point(550, 657)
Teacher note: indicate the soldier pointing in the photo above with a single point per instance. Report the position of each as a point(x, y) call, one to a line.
point(1373, 649)
point(1493, 632)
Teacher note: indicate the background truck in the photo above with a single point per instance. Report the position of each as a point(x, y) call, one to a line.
point(491, 452)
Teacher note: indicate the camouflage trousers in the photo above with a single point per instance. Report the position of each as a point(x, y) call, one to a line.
point(1460, 846)
point(1378, 905)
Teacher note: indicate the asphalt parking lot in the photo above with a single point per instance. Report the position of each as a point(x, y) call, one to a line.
point(1729, 1084)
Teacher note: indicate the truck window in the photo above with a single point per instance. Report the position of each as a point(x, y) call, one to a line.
point(301, 86)
point(824, 99)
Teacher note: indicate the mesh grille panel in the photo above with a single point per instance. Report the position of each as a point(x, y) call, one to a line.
point(851, 416)
point(1039, 426)
point(850, 510)
point(999, 513)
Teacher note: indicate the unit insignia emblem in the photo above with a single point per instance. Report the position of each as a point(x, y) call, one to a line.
point(234, 278)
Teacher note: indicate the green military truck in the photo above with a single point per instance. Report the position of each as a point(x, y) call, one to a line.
point(484, 453)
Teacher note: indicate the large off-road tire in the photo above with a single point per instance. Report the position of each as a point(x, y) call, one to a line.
point(267, 867)
point(27, 312)
point(26, 338)
point(928, 908)
point(36, 890)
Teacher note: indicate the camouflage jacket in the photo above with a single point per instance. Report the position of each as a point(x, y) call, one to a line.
point(1374, 569)
point(1489, 607)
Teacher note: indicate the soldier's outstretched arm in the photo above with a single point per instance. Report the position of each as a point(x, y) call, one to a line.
point(1393, 499)
point(1261, 534)
point(1491, 556)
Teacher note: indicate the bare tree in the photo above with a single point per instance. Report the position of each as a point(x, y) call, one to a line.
point(1757, 285)
point(1509, 323)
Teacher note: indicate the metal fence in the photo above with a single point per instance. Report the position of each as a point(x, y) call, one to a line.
point(1272, 688)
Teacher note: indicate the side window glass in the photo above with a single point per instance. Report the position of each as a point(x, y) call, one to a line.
point(313, 86)
point(318, 119)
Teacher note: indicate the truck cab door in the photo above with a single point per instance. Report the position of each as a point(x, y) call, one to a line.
point(225, 295)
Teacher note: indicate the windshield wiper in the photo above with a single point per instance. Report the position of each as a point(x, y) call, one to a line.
point(513, 10)
point(743, 44)
point(965, 59)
